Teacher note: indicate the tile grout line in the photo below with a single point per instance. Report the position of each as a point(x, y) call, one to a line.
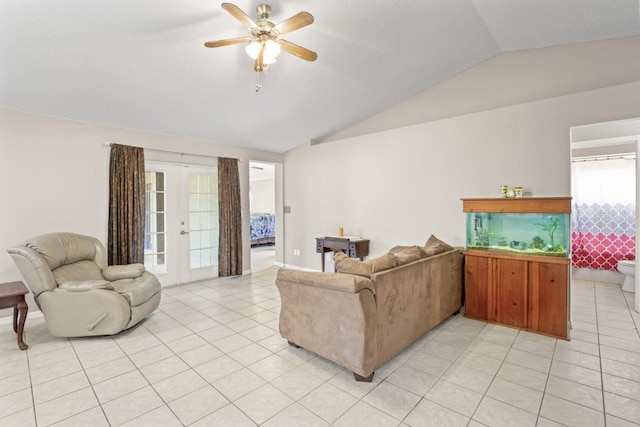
point(604, 406)
point(546, 383)
point(33, 400)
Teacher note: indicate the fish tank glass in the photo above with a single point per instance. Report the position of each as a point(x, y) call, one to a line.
point(541, 234)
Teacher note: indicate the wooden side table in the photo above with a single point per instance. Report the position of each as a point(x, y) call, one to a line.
point(353, 247)
point(12, 295)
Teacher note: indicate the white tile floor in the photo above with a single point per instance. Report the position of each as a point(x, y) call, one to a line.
point(211, 356)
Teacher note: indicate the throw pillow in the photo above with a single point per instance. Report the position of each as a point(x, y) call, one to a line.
point(347, 265)
point(383, 262)
point(344, 264)
point(435, 246)
point(407, 255)
point(394, 250)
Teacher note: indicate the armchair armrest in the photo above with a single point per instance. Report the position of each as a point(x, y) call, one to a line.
point(337, 281)
point(85, 285)
point(117, 272)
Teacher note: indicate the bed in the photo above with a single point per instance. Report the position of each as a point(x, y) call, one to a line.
point(263, 229)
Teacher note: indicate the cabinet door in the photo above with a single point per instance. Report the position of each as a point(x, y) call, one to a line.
point(476, 285)
point(510, 282)
point(548, 289)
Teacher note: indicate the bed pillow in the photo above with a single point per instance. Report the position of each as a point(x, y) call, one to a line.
point(409, 254)
point(435, 246)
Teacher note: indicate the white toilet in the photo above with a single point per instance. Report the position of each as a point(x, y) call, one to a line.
point(628, 268)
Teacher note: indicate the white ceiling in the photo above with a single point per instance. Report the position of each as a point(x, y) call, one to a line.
point(141, 64)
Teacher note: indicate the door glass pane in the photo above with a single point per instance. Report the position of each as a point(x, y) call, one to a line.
point(154, 227)
point(203, 217)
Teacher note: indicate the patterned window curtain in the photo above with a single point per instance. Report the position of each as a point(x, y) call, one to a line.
point(126, 205)
point(230, 243)
point(604, 213)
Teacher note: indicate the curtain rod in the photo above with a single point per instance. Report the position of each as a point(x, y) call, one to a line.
point(108, 144)
point(629, 156)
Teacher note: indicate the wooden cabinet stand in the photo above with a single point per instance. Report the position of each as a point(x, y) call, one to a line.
point(524, 292)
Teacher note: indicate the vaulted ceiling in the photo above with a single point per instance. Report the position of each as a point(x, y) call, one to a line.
point(141, 64)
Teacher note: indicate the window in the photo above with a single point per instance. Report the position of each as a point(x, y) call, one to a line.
point(155, 237)
point(203, 220)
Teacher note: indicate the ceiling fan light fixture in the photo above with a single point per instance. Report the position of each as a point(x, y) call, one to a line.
point(253, 49)
point(270, 53)
point(271, 49)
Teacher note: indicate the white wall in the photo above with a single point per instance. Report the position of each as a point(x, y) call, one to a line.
point(399, 186)
point(263, 196)
point(54, 176)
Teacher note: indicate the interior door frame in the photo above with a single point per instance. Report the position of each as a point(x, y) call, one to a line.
point(607, 138)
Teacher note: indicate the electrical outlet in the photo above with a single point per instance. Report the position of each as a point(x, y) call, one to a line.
point(296, 252)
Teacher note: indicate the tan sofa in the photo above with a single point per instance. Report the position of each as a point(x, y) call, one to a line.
point(77, 292)
point(360, 321)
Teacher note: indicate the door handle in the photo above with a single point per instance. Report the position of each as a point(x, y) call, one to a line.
point(183, 232)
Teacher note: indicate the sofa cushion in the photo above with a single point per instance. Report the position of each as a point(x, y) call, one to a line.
point(347, 265)
point(336, 281)
point(435, 246)
point(85, 285)
point(409, 254)
point(78, 271)
point(382, 263)
point(394, 250)
point(63, 248)
point(117, 272)
point(139, 290)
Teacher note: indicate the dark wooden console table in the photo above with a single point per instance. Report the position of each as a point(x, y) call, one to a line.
point(12, 295)
point(355, 248)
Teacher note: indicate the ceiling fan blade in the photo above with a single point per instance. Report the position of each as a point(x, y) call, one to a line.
point(227, 42)
point(237, 13)
point(299, 51)
point(297, 21)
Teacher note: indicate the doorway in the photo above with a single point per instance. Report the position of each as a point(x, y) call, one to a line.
point(606, 143)
point(181, 224)
point(262, 205)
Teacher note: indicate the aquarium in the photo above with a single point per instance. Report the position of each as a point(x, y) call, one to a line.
point(540, 234)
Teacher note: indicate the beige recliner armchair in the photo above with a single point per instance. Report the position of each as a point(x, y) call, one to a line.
point(76, 291)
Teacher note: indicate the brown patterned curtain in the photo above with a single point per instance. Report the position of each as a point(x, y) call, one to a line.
point(126, 205)
point(230, 244)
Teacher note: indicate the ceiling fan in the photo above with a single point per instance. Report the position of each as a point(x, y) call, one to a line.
point(265, 43)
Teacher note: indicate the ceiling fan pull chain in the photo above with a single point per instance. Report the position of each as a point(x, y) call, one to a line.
point(258, 85)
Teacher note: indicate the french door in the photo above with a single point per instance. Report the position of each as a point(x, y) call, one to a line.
point(181, 227)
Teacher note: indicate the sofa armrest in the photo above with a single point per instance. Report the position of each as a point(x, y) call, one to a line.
point(85, 285)
point(117, 272)
point(337, 281)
